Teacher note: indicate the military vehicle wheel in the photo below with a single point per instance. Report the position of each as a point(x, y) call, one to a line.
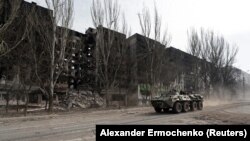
point(165, 110)
point(194, 106)
point(200, 105)
point(158, 110)
point(177, 107)
point(185, 107)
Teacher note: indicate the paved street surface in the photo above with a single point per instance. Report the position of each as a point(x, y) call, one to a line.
point(81, 126)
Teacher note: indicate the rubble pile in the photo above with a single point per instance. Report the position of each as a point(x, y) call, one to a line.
point(83, 99)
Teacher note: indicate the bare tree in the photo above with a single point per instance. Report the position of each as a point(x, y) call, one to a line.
point(194, 48)
point(215, 59)
point(154, 49)
point(18, 73)
point(21, 71)
point(24, 77)
point(24, 70)
point(125, 29)
point(54, 40)
point(14, 30)
point(145, 22)
point(110, 45)
point(9, 11)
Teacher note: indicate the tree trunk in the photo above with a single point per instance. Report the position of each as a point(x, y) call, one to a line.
point(7, 103)
point(126, 99)
point(151, 76)
point(17, 103)
point(46, 104)
point(52, 70)
point(26, 104)
point(107, 98)
point(51, 100)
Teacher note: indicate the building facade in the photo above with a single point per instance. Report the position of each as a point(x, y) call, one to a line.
point(99, 58)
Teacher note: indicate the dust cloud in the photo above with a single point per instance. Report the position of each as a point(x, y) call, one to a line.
point(226, 97)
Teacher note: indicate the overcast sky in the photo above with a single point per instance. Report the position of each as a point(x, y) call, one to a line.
point(230, 18)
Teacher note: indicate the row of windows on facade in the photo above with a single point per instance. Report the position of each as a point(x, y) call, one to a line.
point(81, 68)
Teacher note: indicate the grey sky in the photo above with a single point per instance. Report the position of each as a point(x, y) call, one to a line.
point(227, 17)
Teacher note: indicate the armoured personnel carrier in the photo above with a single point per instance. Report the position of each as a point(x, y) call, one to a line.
point(177, 102)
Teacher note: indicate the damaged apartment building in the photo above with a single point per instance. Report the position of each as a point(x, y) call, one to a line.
point(78, 56)
point(134, 62)
point(171, 67)
point(11, 64)
point(80, 60)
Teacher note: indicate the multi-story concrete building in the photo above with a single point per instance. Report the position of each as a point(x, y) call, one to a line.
point(135, 60)
point(78, 58)
point(16, 35)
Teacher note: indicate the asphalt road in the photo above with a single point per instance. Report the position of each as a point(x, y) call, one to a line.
point(81, 126)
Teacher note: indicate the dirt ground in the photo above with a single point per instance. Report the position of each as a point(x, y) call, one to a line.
point(80, 126)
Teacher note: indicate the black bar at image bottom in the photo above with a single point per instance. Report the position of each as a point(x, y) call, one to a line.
point(194, 132)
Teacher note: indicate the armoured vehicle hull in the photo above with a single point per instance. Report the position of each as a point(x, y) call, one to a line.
point(177, 102)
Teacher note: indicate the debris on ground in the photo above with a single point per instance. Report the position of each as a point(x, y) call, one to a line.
point(82, 99)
